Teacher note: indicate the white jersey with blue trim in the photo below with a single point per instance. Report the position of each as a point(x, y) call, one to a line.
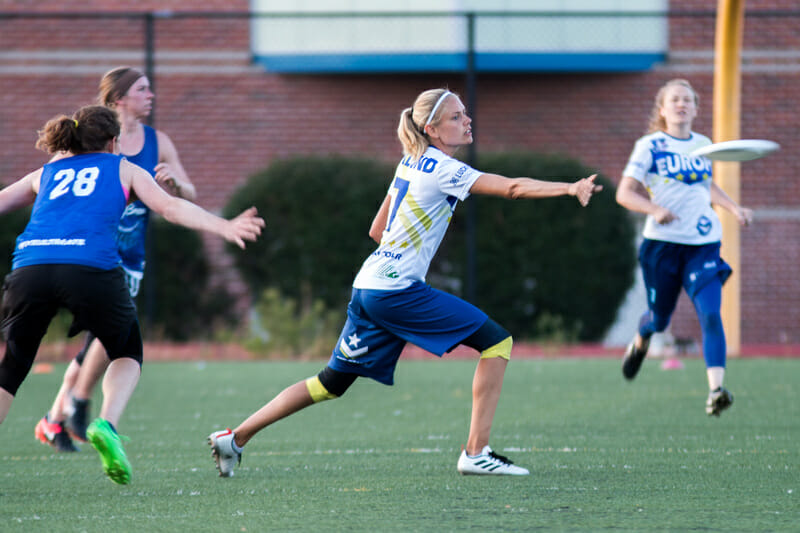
point(424, 194)
point(679, 183)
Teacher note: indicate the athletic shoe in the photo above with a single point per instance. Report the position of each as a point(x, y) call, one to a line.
point(53, 433)
point(108, 444)
point(77, 422)
point(632, 361)
point(718, 400)
point(488, 463)
point(222, 451)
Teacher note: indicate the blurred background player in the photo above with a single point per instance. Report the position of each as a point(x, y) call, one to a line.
point(127, 91)
point(391, 303)
point(67, 257)
point(682, 233)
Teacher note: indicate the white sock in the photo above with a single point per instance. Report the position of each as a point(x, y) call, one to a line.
point(715, 376)
point(235, 447)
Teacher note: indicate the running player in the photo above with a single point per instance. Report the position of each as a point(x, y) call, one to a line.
point(682, 233)
point(391, 303)
point(127, 91)
point(67, 257)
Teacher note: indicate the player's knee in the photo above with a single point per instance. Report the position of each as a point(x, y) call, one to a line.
point(660, 323)
point(318, 391)
point(502, 349)
point(329, 384)
point(138, 358)
point(711, 322)
point(12, 373)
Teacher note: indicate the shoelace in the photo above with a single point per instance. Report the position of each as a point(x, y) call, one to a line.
point(501, 458)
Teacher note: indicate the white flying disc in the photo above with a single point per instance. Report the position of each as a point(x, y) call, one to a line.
point(741, 150)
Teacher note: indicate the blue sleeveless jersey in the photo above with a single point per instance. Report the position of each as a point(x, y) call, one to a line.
point(75, 216)
point(132, 228)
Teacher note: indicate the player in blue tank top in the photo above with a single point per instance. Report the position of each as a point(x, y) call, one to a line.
point(127, 91)
point(682, 233)
point(58, 232)
point(132, 228)
point(392, 305)
point(67, 258)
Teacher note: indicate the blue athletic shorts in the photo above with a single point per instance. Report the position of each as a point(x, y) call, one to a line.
point(667, 267)
point(380, 323)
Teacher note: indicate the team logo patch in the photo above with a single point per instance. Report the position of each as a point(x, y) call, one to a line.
point(458, 175)
point(659, 144)
point(350, 348)
point(704, 225)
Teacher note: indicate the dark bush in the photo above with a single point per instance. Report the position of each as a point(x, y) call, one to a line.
point(184, 307)
point(546, 268)
point(318, 211)
point(11, 225)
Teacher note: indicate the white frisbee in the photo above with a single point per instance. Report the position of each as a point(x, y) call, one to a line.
point(741, 150)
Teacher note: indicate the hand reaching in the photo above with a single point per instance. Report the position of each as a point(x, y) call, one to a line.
point(662, 215)
point(166, 178)
point(584, 189)
point(744, 215)
point(245, 227)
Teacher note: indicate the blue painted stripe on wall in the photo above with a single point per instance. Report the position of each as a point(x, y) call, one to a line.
point(456, 62)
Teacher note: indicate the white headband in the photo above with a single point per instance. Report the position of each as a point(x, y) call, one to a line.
point(438, 103)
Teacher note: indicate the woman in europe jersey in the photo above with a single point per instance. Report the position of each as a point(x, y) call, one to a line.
point(682, 233)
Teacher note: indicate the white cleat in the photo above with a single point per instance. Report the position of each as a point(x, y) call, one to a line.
point(488, 463)
point(221, 443)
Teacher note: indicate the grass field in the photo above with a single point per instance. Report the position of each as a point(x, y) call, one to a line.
point(604, 454)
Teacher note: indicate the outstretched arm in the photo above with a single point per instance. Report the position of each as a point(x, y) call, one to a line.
point(245, 227)
point(721, 198)
point(21, 193)
point(518, 188)
point(632, 195)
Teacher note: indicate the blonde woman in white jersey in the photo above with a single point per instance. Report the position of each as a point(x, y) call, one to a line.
point(681, 247)
point(391, 303)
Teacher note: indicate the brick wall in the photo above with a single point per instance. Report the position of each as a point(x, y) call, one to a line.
point(228, 118)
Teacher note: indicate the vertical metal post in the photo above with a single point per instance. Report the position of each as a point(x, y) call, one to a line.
point(152, 266)
point(726, 127)
point(471, 281)
point(150, 59)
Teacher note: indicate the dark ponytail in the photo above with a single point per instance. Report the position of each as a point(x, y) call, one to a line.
point(88, 130)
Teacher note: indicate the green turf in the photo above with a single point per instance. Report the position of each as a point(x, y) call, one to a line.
point(604, 454)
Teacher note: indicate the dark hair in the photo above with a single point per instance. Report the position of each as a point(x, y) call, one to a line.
point(89, 129)
point(115, 84)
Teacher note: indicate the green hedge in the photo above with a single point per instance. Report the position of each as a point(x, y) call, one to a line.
point(11, 225)
point(547, 269)
point(318, 211)
point(184, 307)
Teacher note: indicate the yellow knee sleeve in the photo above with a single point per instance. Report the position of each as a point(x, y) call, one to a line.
point(318, 391)
point(501, 349)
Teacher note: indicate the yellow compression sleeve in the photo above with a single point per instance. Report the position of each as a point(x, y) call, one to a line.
point(318, 391)
point(501, 349)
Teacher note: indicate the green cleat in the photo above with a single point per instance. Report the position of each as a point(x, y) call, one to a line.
point(108, 443)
